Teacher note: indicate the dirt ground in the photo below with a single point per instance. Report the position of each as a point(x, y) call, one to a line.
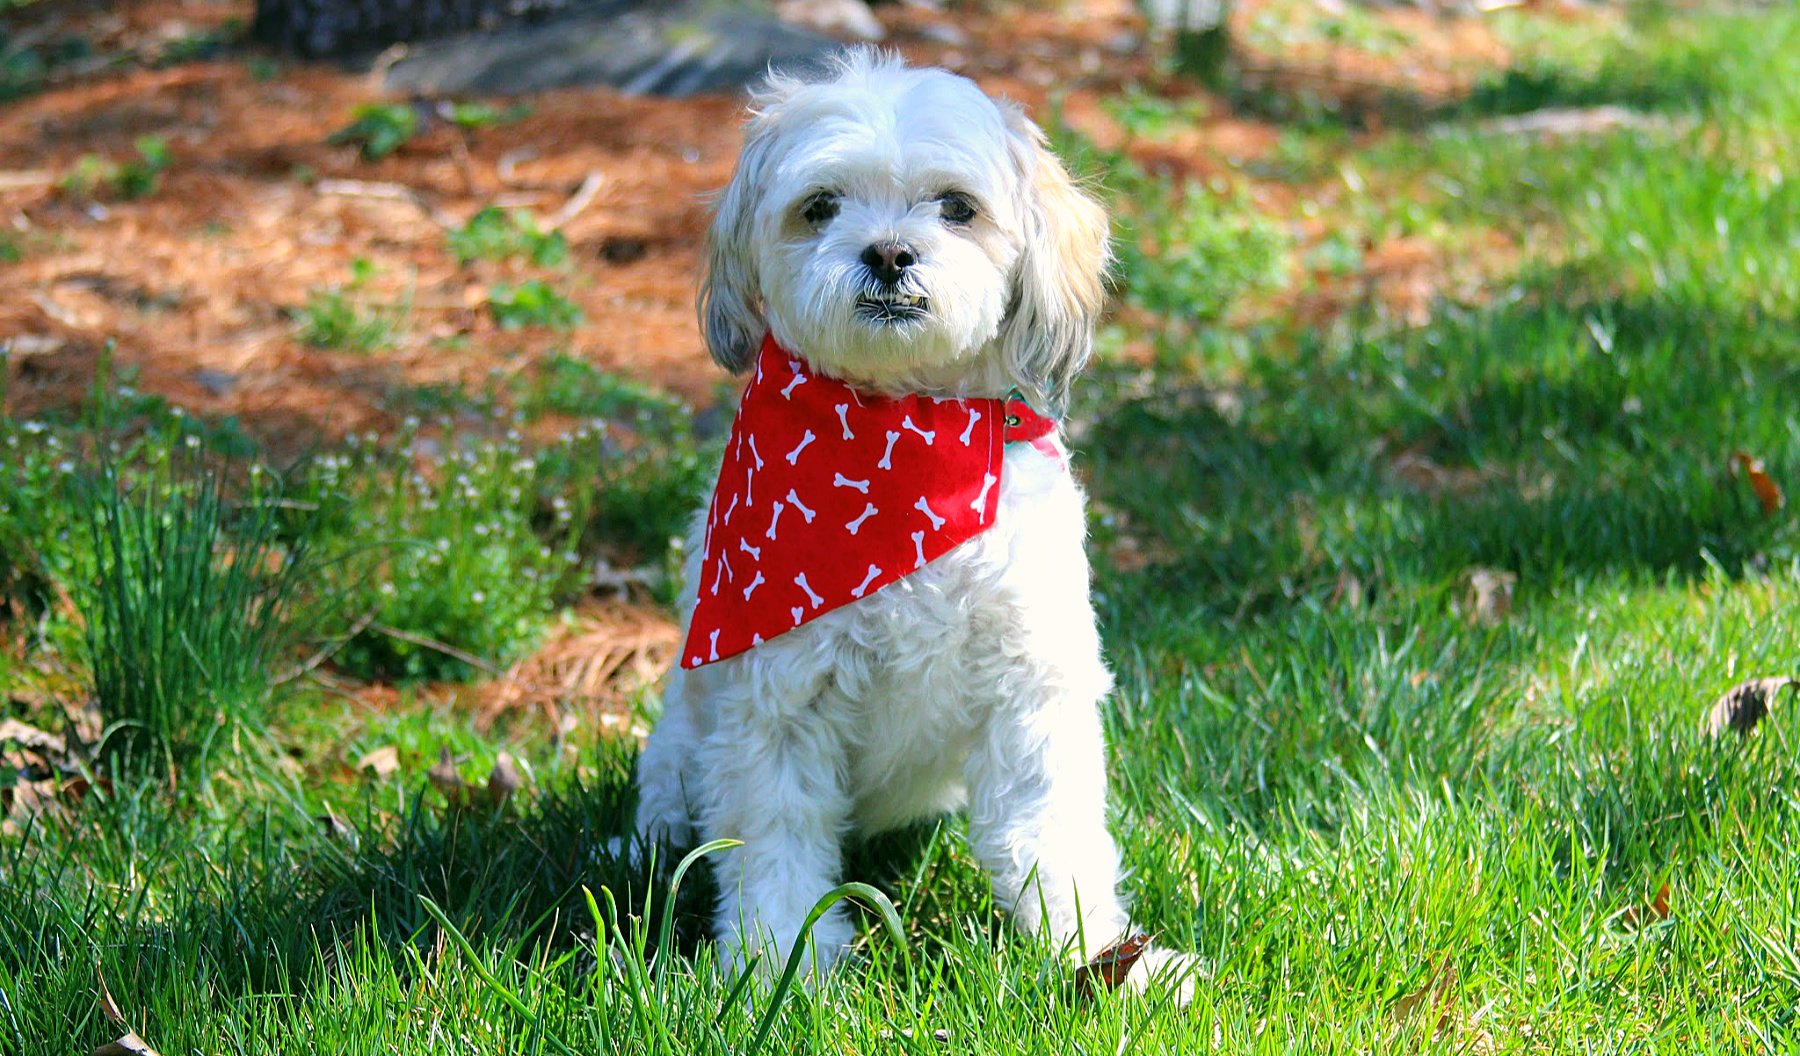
point(197, 282)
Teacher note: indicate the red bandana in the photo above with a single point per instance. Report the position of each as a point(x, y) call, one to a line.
point(828, 494)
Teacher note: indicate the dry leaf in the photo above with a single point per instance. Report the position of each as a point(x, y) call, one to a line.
point(1490, 594)
point(32, 737)
point(384, 761)
point(1745, 704)
point(1435, 1002)
point(1767, 491)
point(1108, 968)
point(504, 779)
point(126, 1044)
point(1658, 909)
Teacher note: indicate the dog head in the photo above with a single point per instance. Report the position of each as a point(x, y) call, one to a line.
point(892, 224)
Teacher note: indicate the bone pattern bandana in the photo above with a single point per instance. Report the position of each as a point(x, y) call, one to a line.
point(828, 494)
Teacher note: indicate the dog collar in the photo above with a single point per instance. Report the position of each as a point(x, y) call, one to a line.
point(828, 494)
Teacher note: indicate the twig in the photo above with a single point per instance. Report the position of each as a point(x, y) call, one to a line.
point(25, 179)
point(329, 651)
point(450, 651)
point(581, 199)
point(392, 192)
point(507, 167)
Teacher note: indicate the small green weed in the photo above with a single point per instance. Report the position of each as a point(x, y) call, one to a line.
point(532, 303)
point(342, 317)
point(94, 176)
point(378, 129)
point(565, 384)
point(446, 563)
point(496, 234)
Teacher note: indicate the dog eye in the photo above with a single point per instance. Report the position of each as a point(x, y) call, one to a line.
point(956, 208)
point(819, 208)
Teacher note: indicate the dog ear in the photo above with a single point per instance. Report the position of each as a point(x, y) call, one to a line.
point(1060, 284)
point(730, 300)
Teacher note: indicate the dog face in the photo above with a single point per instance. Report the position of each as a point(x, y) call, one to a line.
point(887, 222)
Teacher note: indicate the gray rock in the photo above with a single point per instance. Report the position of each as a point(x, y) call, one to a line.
point(677, 50)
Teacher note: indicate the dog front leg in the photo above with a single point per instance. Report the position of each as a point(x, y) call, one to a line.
point(663, 814)
point(1037, 822)
point(776, 783)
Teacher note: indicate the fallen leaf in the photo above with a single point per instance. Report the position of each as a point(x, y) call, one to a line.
point(1437, 998)
point(1767, 491)
point(31, 737)
point(1745, 704)
point(1658, 909)
point(1490, 594)
point(1108, 968)
point(504, 779)
point(384, 761)
point(126, 1044)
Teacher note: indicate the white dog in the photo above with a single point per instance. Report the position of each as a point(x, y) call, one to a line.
point(895, 232)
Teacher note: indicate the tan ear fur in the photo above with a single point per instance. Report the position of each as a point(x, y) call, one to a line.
point(1060, 286)
point(730, 297)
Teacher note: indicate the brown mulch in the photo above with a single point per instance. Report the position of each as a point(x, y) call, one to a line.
point(198, 282)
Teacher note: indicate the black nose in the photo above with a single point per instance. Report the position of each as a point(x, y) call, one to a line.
point(887, 260)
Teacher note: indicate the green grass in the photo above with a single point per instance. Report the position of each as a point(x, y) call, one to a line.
point(1332, 777)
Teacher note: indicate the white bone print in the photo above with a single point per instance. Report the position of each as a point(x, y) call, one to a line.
point(937, 523)
point(794, 455)
point(869, 511)
point(755, 552)
point(918, 539)
point(794, 500)
point(887, 457)
point(797, 612)
point(754, 453)
point(843, 410)
point(774, 519)
point(927, 435)
point(718, 577)
point(749, 482)
point(713, 643)
point(987, 483)
point(800, 581)
point(969, 430)
point(787, 393)
point(751, 589)
point(733, 509)
point(858, 590)
point(845, 482)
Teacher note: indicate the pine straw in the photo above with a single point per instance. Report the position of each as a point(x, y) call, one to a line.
point(599, 660)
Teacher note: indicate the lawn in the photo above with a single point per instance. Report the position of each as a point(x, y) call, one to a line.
point(1416, 606)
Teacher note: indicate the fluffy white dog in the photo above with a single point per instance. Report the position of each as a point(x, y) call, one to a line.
point(898, 230)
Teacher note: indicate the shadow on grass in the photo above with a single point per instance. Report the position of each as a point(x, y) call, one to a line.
point(506, 878)
point(1557, 441)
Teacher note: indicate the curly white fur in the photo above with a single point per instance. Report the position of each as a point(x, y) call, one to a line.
point(975, 682)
